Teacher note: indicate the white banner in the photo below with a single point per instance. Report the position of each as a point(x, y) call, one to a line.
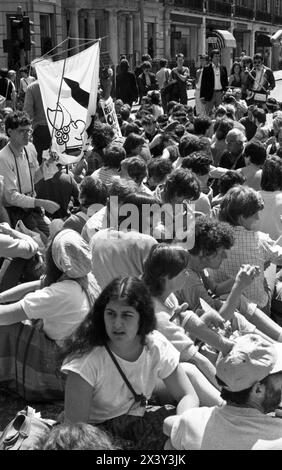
point(109, 112)
point(69, 115)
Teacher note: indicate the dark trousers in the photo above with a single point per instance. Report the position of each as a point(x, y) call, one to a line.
point(19, 270)
point(41, 140)
point(33, 219)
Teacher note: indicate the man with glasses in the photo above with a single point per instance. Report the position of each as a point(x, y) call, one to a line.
point(260, 82)
point(214, 82)
point(20, 169)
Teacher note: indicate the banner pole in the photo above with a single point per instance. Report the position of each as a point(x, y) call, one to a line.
point(59, 94)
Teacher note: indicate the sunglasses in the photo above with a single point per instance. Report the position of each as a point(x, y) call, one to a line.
point(257, 62)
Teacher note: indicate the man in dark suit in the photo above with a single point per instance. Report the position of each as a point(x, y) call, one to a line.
point(214, 82)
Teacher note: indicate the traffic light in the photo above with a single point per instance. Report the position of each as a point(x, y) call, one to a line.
point(15, 35)
point(28, 33)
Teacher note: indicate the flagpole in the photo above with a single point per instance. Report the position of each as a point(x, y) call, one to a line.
point(58, 45)
point(84, 44)
point(58, 99)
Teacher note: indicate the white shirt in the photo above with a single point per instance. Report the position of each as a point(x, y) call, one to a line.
point(172, 330)
point(270, 218)
point(225, 428)
point(258, 82)
point(163, 76)
point(111, 396)
point(62, 307)
point(25, 81)
point(217, 82)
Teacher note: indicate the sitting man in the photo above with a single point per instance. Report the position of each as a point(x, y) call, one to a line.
point(251, 379)
point(213, 241)
point(19, 166)
point(241, 208)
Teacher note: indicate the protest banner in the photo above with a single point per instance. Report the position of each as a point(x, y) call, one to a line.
point(69, 93)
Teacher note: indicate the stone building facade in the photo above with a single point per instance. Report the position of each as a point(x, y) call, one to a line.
point(159, 27)
point(47, 18)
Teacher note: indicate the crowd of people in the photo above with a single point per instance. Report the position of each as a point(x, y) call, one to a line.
point(142, 285)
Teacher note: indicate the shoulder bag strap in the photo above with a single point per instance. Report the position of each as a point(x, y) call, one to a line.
point(139, 398)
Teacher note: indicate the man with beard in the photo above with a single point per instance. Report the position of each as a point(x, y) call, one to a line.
point(251, 379)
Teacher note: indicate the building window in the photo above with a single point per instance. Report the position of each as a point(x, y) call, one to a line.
point(277, 10)
point(151, 39)
point(45, 33)
point(262, 5)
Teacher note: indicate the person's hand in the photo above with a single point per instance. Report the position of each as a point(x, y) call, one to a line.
point(271, 140)
point(246, 274)
point(227, 345)
point(179, 310)
point(5, 228)
point(213, 319)
point(49, 206)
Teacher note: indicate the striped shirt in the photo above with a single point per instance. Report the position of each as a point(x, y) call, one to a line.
point(105, 174)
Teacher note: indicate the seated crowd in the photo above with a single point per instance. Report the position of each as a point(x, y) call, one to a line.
point(143, 284)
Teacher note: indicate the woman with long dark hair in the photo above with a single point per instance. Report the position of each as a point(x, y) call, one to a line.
point(119, 332)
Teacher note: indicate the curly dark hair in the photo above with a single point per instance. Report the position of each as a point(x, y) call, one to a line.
point(201, 124)
point(229, 179)
point(132, 141)
point(136, 168)
point(211, 235)
point(163, 261)
point(181, 183)
point(256, 153)
point(101, 135)
point(222, 127)
point(92, 190)
point(189, 144)
point(198, 162)
point(113, 156)
point(92, 332)
point(240, 201)
point(159, 168)
point(16, 119)
point(271, 178)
